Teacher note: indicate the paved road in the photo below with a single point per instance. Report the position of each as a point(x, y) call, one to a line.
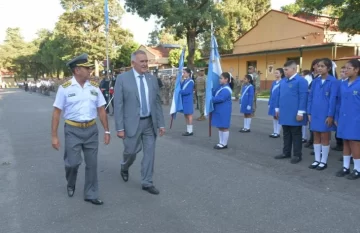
point(242, 189)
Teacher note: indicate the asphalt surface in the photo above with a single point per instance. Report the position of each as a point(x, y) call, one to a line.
point(242, 189)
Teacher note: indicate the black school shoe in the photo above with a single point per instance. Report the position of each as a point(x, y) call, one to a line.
point(187, 134)
point(354, 175)
point(343, 172)
point(220, 147)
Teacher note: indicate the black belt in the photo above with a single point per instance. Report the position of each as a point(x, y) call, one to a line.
point(143, 118)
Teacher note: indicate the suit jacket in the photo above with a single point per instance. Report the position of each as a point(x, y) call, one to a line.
point(127, 103)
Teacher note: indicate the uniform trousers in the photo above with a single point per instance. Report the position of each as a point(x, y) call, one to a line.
point(292, 140)
point(144, 138)
point(87, 141)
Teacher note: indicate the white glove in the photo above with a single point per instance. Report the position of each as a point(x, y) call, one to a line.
point(248, 107)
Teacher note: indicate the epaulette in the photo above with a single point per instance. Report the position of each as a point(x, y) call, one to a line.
point(95, 84)
point(66, 84)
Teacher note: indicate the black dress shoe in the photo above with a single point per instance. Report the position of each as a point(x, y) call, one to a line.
point(343, 172)
point(308, 144)
point(124, 175)
point(94, 201)
point(220, 147)
point(303, 140)
point(187, 134)
point(245, 131)
point(151, 189)
point(354, 175)
point(70, 191)
point(320, 168)
point(295, 160)
point(282, 157)
point(314, 165)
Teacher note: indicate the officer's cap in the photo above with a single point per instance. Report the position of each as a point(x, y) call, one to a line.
point(80, 61)
point(202, 69)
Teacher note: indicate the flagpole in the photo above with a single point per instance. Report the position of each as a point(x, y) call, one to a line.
point(212, 47)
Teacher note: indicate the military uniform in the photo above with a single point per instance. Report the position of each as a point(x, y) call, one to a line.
point(166, 89)
point(79, 105)
point(200, 84)
point(237, 87)
point(256, 79)
point(172, 86)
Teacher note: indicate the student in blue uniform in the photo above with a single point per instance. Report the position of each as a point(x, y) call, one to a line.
point(347, 119)
point(321, 111)
point(246, 102)
point(291, 111)
point(314, 74)
point(279, 74)
point(187, 97)
point(221, 116)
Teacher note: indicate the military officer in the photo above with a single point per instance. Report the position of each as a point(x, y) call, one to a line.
point(237, 88)
point(166, 89)
point(256, 78)
point(172, 86)
point(105, 88)
point(80, 100)
point(200, 84)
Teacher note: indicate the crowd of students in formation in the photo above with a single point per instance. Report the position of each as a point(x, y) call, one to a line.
point(316, 100)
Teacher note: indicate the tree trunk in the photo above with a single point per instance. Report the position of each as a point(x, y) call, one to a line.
point(191, 43)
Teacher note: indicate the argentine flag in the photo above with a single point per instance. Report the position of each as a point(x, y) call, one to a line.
point(214, 72)
point(176, 104)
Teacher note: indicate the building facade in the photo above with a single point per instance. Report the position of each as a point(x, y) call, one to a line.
point(278, 37)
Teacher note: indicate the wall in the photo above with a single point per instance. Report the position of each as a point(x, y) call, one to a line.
point(276, 31)
point(238, 65)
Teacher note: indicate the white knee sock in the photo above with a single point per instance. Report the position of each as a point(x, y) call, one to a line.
point(275, 125)
point(220, 137)
point(225, 138)
point(245, 123)
point(317, 151)
point(278, 128)
point(303, 129)
point(346, 161)
point(324, 154)
point(357, 164)
point(189, 128)
point(248, 123)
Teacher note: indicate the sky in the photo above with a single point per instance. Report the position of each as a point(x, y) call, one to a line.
point(32, 15)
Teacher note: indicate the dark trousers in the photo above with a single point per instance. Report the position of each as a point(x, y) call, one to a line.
point(311, 140)
point(339, 141)
point(292, 139)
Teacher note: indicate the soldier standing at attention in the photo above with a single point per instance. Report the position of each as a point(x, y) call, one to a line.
point(105, 88)
point(237, 88)
point(256, 79)
point(80, 100)
point(166, 89)
point(200, 84)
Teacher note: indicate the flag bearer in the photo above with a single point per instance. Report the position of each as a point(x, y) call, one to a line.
point(187, 97)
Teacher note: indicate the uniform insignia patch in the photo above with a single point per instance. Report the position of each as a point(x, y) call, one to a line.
point(355, 92)
point(71, 94)
point(327, 93)
point(290, 85)
point(94, 92)
point(93, 83)
point(66, 84)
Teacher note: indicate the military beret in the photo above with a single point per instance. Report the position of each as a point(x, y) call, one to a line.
point(80, 61)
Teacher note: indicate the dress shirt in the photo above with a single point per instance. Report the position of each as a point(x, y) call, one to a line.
point(137, 79)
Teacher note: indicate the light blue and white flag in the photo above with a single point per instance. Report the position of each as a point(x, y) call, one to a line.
point(176, 104)
point(214, 72)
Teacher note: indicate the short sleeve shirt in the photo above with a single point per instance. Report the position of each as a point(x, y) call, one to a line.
point(79, 103)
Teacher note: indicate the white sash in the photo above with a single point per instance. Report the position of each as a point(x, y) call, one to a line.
point(247, 88)
point(186, 84)
point(275, 86)
point(226, 87)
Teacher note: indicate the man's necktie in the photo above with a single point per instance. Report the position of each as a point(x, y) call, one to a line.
point(144, 108)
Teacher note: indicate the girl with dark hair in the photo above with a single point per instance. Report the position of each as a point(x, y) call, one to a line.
point(321, 111)
point(348, 119)
point(279, 74)
point(187, 97)
point(314, 74)
point(246, 102)
point(221, 116)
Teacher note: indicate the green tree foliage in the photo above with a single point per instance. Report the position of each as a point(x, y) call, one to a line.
point(188, 18)
point(174, 57)
point(124, 58)
point(347, 10)
point(164, 36)
point(241, 16)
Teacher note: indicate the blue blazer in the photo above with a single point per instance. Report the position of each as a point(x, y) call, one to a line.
point(274, 94)
point(221, 116)
point(187, 96)
point(348, 111)
point(247, 99)
point(322, 103)
point(292, 97)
